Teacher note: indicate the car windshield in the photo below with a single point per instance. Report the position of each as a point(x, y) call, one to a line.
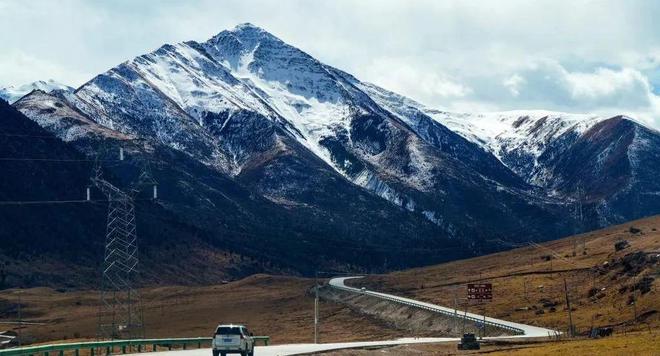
point(228, 330)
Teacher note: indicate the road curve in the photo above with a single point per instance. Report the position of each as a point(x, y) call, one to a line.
point(296, 349)
point(528, 330)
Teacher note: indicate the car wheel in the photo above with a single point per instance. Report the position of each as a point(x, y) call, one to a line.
point(216, 353)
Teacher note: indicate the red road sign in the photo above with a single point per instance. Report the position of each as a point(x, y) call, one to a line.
point(480, 291)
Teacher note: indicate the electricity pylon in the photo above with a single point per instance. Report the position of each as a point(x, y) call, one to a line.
point(120, 312)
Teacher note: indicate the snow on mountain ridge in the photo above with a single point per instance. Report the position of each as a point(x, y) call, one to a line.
point(12, 93)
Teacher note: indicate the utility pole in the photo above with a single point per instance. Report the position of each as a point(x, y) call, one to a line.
point(20, 320)
point(634, 303)
point(551, 263)
point(580, 221)
point(464, 316)
point(316, 308)
point(574, 246)
point(568, 306)
point(484, 326)
point(455, 310)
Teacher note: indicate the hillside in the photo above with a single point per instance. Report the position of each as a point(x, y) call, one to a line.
point(51, 236)
point(606, 287)
point(283, 306)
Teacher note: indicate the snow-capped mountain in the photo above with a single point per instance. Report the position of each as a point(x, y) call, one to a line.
point(305, 135)
point(12, 93)
point(245, 100)
point(517, 138)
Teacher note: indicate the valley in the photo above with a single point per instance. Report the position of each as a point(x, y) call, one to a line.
point(282, 307)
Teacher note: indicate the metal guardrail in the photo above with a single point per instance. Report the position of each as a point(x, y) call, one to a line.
point(108, 347)
point(514, 330)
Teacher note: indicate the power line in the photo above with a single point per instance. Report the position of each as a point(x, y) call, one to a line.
point(55, 159)
point(37, 202)
point(35, 136)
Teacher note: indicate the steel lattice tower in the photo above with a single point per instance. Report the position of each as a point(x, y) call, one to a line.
point(120, 311)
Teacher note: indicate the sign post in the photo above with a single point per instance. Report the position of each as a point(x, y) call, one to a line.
point(480, 292)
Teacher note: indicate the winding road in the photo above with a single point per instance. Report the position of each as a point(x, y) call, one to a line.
point(526, 331)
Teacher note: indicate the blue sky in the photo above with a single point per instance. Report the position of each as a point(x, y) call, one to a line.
point(577, 56)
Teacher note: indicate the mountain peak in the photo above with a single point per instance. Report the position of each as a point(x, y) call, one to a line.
point(246, 26)
point(246, 33)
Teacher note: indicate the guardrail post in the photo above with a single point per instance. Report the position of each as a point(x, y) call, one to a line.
point(123, 349)
point(61, 352)
point(169, 347)
point(46, 353)
point(107, 350)
point(199, 345)
point(184, 345)
point(139, 347)
point(153, 348)
point(91, 352)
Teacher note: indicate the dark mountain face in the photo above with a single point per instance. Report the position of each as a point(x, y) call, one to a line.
point(610, 167)
point(51, 236)
point(210, 213)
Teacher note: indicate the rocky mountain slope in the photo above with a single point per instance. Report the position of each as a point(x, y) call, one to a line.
point(263, 112)
point(207, 216)
point(604, 163)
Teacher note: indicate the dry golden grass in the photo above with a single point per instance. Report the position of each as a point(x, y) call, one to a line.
point(282, 308)
point(269, 305)
point(516, 271)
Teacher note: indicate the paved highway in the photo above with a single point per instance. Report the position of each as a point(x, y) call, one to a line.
point(294, 349)
point(529, 330)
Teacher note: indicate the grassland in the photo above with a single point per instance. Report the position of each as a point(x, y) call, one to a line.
point(528, 287)
point(270, 305)
point(604, 286)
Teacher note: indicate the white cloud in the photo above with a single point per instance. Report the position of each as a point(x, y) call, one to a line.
point(19, 68)
point(623, 87)
point(398, 75)
point(513, 83)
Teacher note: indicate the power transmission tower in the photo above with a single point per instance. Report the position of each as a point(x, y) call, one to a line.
point(579, 218)
point(120, 312)
point(316, 309)
point(568, 307)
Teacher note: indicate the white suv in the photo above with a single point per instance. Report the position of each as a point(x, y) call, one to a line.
point(234, 339)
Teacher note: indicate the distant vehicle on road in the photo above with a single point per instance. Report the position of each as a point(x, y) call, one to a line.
point(232, 339)
point(468, 342)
